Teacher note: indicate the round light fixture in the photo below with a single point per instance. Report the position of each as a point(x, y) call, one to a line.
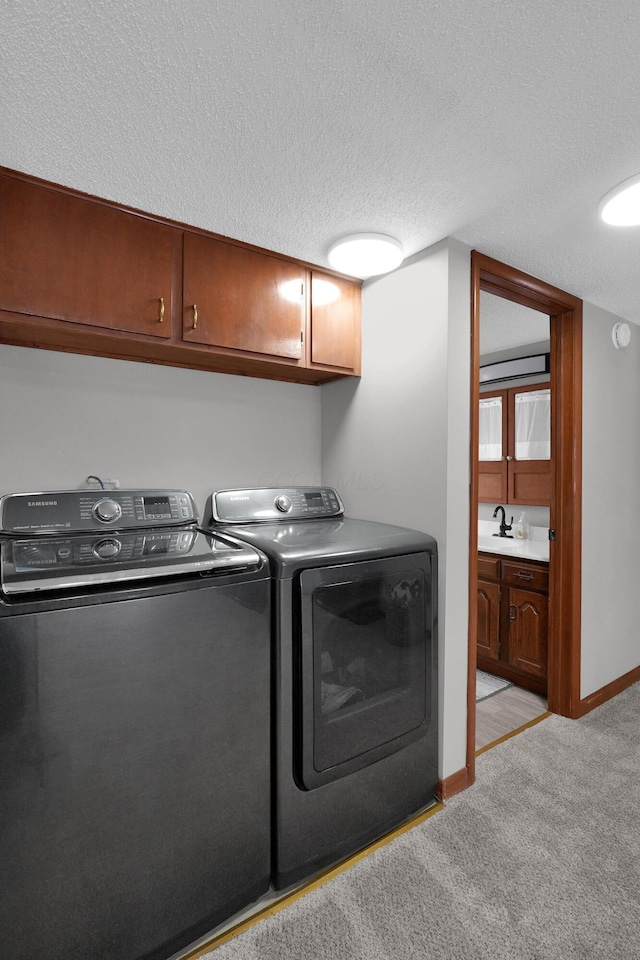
point(366, 254)
point(621, 335)
point(621, 206)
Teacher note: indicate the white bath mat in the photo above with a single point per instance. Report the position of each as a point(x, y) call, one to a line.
point(487, 685)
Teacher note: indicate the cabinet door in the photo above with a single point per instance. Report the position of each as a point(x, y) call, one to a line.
point(529, 446)
point(241, 299)
point(528, 631)
point(492, 448)
point(488, 635)
point(66, 258)
point(515, 446)
point(335, 322)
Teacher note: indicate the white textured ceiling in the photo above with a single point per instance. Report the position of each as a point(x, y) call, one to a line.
point(507, 326)
point(288, 123)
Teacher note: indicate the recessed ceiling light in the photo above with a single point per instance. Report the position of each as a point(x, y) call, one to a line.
point(621, 206)
point(366, 254)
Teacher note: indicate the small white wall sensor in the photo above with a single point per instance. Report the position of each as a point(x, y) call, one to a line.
point(621, 335)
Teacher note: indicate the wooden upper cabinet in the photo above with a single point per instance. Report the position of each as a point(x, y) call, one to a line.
point(335, 322)
point(241, 299)
point(515, 445)
point(67, 258)
point(83, 275)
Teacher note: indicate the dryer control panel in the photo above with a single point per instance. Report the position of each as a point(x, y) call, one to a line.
point(259, 504)
point(79, 511)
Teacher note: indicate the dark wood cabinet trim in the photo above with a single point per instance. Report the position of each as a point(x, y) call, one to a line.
point(41, 333)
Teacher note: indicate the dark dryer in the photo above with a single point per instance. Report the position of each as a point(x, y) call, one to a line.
point(355, 680)
point(134, 726)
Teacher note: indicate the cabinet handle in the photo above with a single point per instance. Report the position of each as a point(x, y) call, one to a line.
point(512, 612)
point(161, 317)
point(508, 458)
point(521, 575)
point(195, 317)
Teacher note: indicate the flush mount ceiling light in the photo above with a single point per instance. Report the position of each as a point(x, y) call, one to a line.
point(366, 254)
point(621, 206)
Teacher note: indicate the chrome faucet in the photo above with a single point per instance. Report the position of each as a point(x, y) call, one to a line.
point(504, 526)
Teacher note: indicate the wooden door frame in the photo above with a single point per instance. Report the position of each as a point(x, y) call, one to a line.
point(565, 312)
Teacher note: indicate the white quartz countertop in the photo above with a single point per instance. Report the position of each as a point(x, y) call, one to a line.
point(535, 548)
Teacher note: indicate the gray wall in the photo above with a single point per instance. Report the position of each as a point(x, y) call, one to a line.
point(67, 416)
point(610, 484)
point(397, 443)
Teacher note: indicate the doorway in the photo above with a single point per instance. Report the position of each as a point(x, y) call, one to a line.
point(565, 319)
point(514, 476)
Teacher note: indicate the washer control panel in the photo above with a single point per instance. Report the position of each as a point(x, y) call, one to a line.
point(80, 551)
point(260, 504)
point(77, 511)
point(34, 554)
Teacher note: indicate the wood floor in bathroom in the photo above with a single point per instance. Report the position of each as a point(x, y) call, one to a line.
point(504, 712)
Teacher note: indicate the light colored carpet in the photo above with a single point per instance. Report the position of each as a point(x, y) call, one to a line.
point(487, 685)
point(539, 860)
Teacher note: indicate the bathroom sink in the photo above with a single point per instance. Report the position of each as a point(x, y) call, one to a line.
point(499, 544)
point(531, 549)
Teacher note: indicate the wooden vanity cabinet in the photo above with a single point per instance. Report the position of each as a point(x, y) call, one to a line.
point(513, 620)
point(71, 259)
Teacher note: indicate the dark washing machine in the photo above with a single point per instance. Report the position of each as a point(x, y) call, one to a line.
point(355, 670)
point(134, 725)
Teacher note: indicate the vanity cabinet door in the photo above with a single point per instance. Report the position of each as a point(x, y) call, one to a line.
point(81, 261)
point(236, 298)
point(488, 630)
point(528, 614)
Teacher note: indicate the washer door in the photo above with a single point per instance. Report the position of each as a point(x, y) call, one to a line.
point(364, 666)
